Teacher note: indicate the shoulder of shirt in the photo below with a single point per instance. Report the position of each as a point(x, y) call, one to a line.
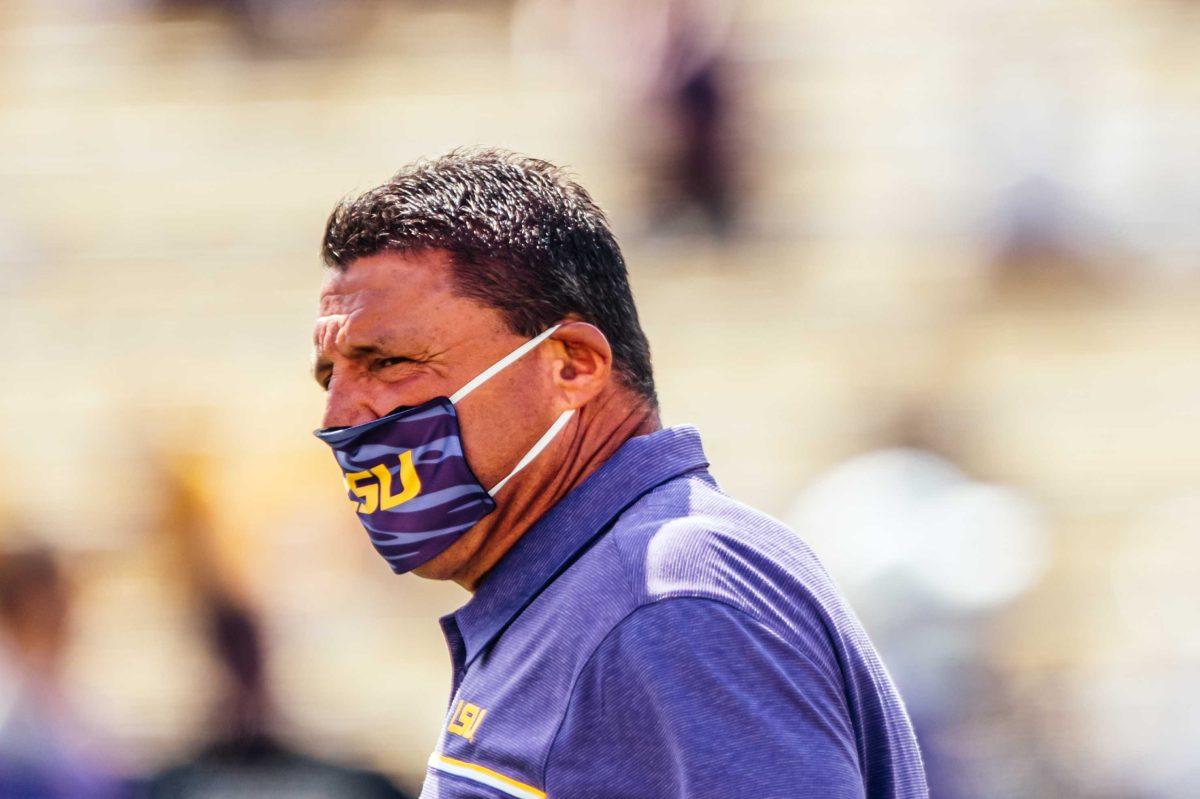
point(686, 539)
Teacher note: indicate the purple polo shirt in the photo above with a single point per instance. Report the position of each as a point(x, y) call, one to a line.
point(651, 637)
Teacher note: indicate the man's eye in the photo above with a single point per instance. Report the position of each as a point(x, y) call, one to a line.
point(384, 363)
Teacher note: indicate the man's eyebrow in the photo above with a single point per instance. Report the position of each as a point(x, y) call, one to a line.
point(379, 346)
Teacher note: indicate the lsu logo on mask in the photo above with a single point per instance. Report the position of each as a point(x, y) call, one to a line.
point(374, 486)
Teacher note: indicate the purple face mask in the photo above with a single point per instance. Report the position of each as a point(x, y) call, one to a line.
point(415, 491)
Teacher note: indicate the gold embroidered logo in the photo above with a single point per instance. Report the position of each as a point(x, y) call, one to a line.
point(466, 720)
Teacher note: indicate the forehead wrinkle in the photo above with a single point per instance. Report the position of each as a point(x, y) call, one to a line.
point(375, 334)
point(338, 298)
point(360, 334)
point(364, 310)
point(328, 319)
point(330, 331)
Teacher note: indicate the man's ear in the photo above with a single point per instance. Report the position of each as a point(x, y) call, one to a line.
point(582, 362)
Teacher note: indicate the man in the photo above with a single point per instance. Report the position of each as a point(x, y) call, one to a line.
point(242, 754)
point(46, 752)
point(633, 632)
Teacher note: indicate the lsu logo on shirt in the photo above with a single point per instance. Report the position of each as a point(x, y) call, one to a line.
point(377, 495)
point(465, 720)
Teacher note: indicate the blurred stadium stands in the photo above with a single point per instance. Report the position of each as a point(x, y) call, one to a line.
point(965, 236)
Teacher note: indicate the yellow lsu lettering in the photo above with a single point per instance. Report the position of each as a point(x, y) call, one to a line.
point(378, 495)
point(466, 720)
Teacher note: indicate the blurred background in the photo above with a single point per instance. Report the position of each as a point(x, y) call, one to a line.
point(949, 253)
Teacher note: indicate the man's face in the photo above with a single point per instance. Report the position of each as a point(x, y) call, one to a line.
point(392, 331)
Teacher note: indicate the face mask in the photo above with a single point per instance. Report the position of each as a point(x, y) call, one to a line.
point(416, 493)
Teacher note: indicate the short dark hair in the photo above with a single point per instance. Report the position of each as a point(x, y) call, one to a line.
point(523, 237)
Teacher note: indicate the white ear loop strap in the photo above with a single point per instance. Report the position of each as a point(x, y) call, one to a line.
point(490, 372)
point(536, 449)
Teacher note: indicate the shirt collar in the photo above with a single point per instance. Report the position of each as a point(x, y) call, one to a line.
point(641, 464)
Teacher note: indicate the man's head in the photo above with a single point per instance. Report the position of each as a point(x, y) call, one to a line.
point(522, 237)
point(448, 267)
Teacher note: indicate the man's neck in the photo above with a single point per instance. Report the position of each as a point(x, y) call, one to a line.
point(604, 425)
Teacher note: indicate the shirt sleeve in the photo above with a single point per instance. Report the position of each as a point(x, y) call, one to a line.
point(691, 697)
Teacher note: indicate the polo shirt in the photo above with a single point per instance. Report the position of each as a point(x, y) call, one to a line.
point(651, 637)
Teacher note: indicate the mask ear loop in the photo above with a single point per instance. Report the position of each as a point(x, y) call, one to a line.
point(490, 372)
point(536, 449)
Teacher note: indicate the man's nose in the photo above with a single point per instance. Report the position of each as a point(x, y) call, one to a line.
point(347, 403)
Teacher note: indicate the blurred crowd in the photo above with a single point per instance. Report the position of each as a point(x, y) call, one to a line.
point(49, 751)
point(945, 252)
